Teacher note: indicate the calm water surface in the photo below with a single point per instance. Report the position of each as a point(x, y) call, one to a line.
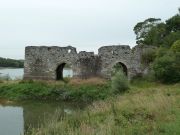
point(16, 118)
point(17, 73)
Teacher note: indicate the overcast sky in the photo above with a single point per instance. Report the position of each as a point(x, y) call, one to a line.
point(84, 24)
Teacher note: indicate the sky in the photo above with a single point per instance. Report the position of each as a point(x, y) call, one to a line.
point(84, 24)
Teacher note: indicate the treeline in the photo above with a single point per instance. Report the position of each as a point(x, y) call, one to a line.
point(165, 61)
point(11, 63)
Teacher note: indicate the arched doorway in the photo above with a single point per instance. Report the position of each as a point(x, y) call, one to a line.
point(120, 66)
point(63, 70)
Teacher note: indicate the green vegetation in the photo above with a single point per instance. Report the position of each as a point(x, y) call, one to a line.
point(165, 63)
point(85, 91)
point(167, 67)
point(148, 108)
point(176, 46)
point(154, 32)
point(11, 63)
point(148, 56)
point(119, 82)
point(145, 106)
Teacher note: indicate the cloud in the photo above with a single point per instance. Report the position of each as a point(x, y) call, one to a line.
point(85, 24)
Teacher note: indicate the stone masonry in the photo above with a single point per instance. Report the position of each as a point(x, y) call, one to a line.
point(47, 63)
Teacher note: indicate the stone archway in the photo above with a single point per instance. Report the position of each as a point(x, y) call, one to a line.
point(120, 66)
point(64, 70)
point(59, 71)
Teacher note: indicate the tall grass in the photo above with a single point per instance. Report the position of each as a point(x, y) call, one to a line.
point(75, 90)
point(153, 111)
point(119, 82)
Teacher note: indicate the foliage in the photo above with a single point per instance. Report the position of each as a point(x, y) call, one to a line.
point(42, 90)
point(165, 36)
point(11, 63)
point(116, 68)
point(170, 39)
point(148, 56)
point(176, 46)
point(134, 113)
point(173, 24)
point(141, 29)
point(156, 33)
point(119, 82)
point(167, 67)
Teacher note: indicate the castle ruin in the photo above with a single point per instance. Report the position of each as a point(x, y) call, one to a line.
point(47, 63)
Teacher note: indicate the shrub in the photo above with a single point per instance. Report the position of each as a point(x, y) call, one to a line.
point(167, 68)
point(66, 79)
point(148, 56)
point(161, 51)
point(119, 82)
point(176, 46)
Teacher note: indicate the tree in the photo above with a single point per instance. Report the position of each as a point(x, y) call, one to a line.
point(11, 63)
point(167, 67)
point(142, 29)
point(156, 35)
point(170, 39)
point(173, 24)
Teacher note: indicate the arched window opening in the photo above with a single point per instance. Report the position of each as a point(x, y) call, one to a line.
point(63, 70)
point(69, 51)
point(119, 66)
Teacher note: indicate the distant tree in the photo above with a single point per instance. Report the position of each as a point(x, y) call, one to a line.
point(11, 63)
point(156, 35)
point(142, 29)
point(173, 24)
point(154, 32)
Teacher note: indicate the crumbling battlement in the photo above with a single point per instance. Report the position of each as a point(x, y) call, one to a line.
point(47, 63)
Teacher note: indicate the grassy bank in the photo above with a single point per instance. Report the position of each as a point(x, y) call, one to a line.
point(68, 90)
point(148, 108)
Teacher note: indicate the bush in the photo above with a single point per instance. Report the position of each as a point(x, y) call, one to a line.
point(119, 82)
point(66, 79)
point(167, 68)
point(148, 56)
point(176, 46)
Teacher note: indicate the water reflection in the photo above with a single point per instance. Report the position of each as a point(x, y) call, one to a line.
point(13, 73)
point(11, 120)
point(16, 118)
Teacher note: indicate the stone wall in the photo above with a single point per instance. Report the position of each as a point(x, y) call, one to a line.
point(42, 62)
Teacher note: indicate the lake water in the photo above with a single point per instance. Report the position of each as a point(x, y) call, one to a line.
point(17, 73)
point(16, 118)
